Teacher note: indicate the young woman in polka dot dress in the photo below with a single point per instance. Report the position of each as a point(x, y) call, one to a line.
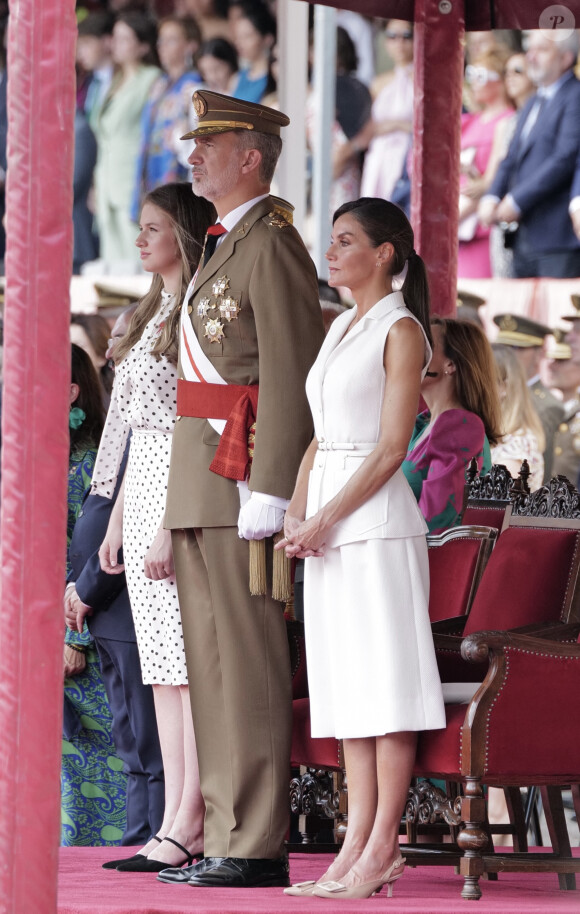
point(143, 403)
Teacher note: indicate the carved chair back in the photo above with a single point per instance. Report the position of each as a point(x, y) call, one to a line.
point(487, 497)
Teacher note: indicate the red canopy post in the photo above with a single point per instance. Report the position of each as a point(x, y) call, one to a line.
point(439, 33)
point(41, 96)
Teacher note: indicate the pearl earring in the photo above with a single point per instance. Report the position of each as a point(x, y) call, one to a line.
point(378, 263)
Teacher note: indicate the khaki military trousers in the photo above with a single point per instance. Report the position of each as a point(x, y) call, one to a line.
point(240, 684)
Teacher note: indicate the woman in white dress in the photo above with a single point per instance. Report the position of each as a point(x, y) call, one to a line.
point(143, 402)
point(373, 676)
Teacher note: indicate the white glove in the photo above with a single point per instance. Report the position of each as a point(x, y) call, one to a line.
point(260, 516)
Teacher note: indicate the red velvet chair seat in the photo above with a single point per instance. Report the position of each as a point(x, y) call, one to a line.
point(439, 751)
point(315, 753)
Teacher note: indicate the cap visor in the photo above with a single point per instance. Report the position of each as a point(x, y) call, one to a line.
point(206, 131)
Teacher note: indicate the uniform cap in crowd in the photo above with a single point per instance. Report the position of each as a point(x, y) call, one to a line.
point(521, 332)
point(218, 113)
point(469, 299)
point(576, 302)
point(557, 347)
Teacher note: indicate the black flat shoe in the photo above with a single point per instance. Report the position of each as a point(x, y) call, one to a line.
point(113, 864)
point(239, 873)
point(146, 865)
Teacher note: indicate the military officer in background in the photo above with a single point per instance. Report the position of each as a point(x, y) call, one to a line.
point(251, 322)
point(527, 337)
point(573, 335)
point(468, 305)
point(564, 375)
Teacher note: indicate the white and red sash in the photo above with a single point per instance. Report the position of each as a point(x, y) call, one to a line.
point(195, 365)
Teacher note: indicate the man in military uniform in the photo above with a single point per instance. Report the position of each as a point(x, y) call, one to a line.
point(527, 337)
point(564, 375)
point(573, 335)
point(250, 320)
point(468, 305)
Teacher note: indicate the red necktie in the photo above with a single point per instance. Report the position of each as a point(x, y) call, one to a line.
point(211, 240)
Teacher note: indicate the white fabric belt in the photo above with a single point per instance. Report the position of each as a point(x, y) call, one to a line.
point(324, 445)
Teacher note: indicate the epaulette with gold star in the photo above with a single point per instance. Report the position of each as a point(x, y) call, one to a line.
point(276, 220)
point(281, 213)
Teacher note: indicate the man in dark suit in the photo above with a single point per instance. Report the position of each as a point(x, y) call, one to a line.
point(102, 599)
point(531, 191)
point(574, 208)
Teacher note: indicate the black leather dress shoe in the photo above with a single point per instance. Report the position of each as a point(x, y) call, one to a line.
point(182, 875)
point(239, 873)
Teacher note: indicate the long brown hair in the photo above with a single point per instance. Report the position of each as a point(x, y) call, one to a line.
point(90, 400)
point(98, 332)
point(190, 217)
point(382, 221)
point(475, 372)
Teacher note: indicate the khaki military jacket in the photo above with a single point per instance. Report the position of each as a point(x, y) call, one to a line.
point(550, 411)
point(567, 444)
point(272, 339)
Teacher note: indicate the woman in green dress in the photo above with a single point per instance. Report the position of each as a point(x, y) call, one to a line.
point(462, 420)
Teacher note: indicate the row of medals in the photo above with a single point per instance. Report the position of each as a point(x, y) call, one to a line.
point(228, 308)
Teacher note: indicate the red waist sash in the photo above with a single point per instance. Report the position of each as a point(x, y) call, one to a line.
point(210, 401)
point(237, 403)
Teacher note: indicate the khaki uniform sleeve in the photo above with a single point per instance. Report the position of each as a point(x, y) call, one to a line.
point(284, 298)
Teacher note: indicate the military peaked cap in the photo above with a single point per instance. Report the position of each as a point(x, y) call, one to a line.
point(217, 113)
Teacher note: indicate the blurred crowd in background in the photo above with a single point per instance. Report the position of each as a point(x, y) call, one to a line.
point(139, 61)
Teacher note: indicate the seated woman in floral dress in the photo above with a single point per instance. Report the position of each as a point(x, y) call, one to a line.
point(461, 422)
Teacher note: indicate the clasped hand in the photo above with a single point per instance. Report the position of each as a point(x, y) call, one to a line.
point(303, 539)
point(257, 519)
point(75, 611)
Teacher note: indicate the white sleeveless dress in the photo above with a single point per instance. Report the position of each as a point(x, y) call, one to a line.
point(371, 660)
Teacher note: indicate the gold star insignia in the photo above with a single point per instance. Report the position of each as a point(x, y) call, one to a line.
point(214, 330)
point(277, 220)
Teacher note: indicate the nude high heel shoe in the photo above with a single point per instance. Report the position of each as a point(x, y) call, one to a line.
point(301, 888)
point(365, 889)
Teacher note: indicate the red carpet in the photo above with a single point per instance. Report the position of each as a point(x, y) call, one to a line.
point(86, 888)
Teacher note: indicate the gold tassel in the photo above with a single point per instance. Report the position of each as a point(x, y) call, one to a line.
point(281, 573)
point(257, 567)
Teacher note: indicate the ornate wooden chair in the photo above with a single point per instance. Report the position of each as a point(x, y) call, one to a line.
point(519, 726)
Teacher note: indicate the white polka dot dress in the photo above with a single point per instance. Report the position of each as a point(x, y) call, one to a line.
point(143, 401)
